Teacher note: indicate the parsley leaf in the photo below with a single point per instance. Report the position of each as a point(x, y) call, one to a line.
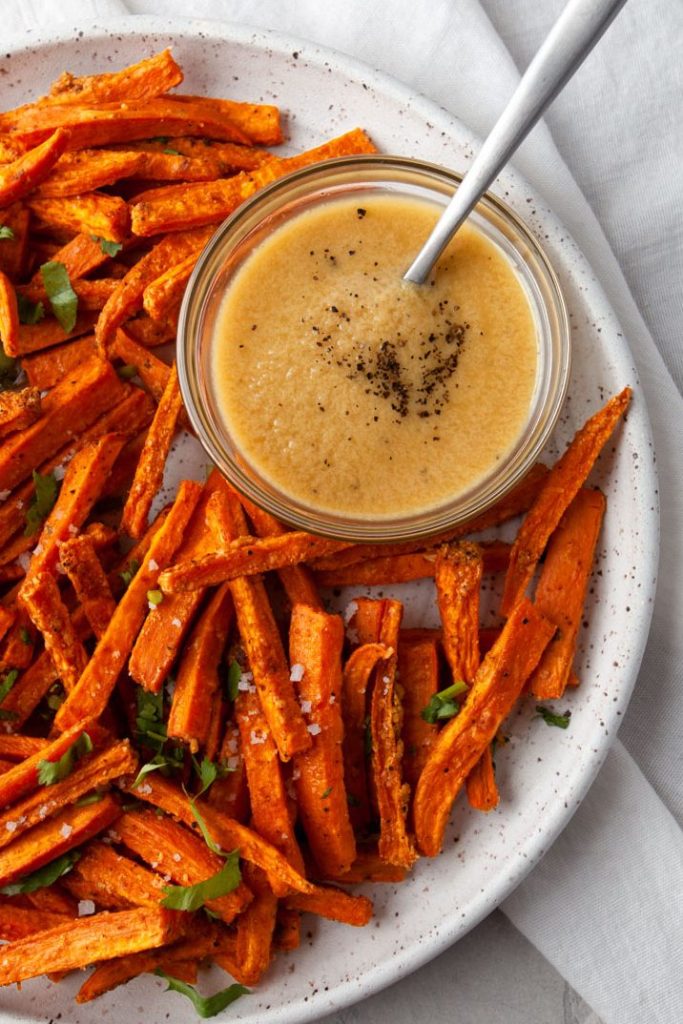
point(234, 676)
point(159, 761)
point(44, 876)
point(89, 798)
point(41, 503)
point(63, 298)
point(6, 231)
point(50, 772)
point(192, 897)
point(7, 683)
point(155, 597)
point(213, 846)
point(205, 1006)
point(29, 312)
point(171, 152)
point(127, 372)
point(207, 772)
point(107, 247)
point(550, 717)
point(442, 705)
point(130, 571)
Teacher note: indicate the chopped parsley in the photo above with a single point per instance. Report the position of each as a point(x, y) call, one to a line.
point(127, 372)
point(205, 1006)
point(50, 772)
point(155, 597)
point(63, 298)
point(9, 371)
point(234, 676)
point(5, 232)
point(29, 312)
point(192, 897)
point(323, 796)
point(42, 502)
point(8, 681)
point(130, 571)
point(107, 247)
point(551, 717)
point(442, 705)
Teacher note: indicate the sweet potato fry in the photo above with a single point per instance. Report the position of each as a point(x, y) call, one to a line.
point(164, 630)
point(81, 488)
point(418, 670)
point(482, 790)
point(226, 832)
point(20, 922)
point(17, 748)
point(45, 369)
point(395, 846)
point(459, 569)
point(29, 690)
point(70, 407)
point(52, 838)
point(113, 881)
point(254, 932)
point(356, 675)
point(7, 617)
point(270, 810)
point(84, 570)
point(90, 696)
point(127, 299)
point(22, 175)
point(153, 372)
point(416, 565)
point(179, 207)
point(197, 680)
point(17, 648)
point(296, 579)
point(230, 794)
point(89, 939)
point(261, 640)
point(562, 586)
point(225, 158)
point(14, 251)
point(247, 556)
point(132, 413)
point(200, 943)
point(41, 598)
point(163, 295)
point(24, 777)
point(512, 504)
point(9, 317)
point(150, 471)
point(260, 121)
point(144, 80)
point(315, 644)
point(464, 738)
point(37, 337)
point(80, 256)
point(89, 169)
point(152, 838)
point(18, 409)
point(152, 333)
point(559, 490)
point(334, 904)
point(93, 772)
point(95, 213)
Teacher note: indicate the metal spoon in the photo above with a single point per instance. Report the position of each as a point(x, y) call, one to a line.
point(569, 42)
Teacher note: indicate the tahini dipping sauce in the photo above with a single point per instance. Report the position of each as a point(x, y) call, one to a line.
point(356, 392)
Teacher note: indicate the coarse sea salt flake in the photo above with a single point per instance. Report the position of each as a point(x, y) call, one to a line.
point(4, 495)
point(176, 622)
point(297, 673)
point(145, 789)
point(24, 560)
point(11, 826)
point(350, 611)
point(85, 908)
point(73, 530)
point(314, 728)
point(153, 565)
point(66, 830)
point(232, 764)
point(305, 707)
point(177, 857)
point(256, 737)
point(59, 472)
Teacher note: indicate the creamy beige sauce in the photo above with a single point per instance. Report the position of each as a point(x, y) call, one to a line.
point(355, 392)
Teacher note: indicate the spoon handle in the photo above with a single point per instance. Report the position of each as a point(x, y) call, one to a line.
point(569, 42)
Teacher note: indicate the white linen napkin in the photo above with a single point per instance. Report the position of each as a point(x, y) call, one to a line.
point(604, 906)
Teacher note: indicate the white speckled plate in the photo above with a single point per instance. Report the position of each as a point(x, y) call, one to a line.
point(543, 772)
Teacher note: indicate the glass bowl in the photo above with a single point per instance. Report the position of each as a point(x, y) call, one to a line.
point(359, 178)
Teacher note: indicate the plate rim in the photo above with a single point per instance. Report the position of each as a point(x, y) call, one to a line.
point(443, 935)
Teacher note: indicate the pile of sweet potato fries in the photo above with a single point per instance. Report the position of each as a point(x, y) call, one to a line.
point(182, 772)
